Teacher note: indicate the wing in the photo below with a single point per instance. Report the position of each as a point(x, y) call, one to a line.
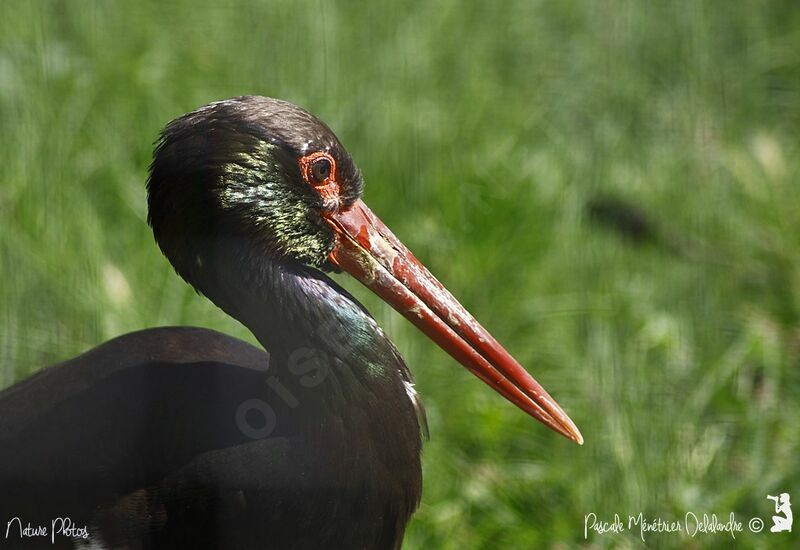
point(124, 427)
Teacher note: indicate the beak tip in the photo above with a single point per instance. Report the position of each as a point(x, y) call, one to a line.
point(566, 427)
point(573, 431)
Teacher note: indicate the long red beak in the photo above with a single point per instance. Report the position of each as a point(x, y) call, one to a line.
point(367, 250)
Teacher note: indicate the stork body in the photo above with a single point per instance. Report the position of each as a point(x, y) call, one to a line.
point(183, 437)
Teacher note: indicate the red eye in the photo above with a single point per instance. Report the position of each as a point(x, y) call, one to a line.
point(318, 168)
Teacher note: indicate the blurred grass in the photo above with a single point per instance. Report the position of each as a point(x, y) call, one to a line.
point(483, 132)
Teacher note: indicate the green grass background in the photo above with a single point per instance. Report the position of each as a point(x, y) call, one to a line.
point(483, 130)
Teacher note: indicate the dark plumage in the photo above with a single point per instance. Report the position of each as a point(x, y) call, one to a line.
point(173, 467)
point(186, 438)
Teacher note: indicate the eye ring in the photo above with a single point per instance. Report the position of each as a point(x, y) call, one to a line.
point(318, 168)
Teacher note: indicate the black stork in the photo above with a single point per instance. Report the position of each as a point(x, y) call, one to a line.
point(183, 437)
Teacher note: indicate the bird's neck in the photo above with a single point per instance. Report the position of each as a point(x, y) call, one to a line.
point(322, 342)
point(294, 310)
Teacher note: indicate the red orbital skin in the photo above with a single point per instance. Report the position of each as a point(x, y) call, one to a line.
point(328, 188)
